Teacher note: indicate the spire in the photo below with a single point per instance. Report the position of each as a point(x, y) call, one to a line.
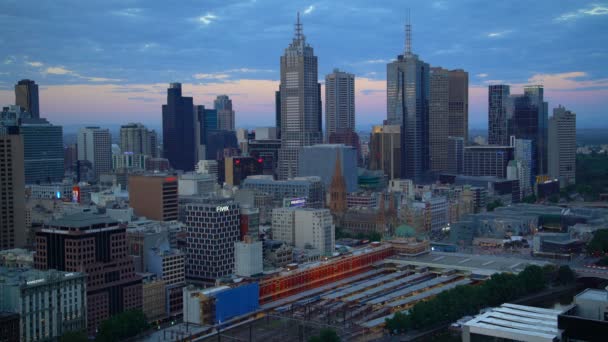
point(408, 34)
point(298, 33)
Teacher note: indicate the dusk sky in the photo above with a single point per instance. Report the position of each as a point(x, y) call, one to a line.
point(110, 62)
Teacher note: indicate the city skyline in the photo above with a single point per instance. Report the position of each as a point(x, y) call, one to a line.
point(102, 73)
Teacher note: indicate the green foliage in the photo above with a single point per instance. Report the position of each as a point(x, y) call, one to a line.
point(493, 205)
point(123, 325)
point(466, 300)
point(565, 275)
point(591, 175)
point(373, 236)
point(529, 199)
point(602, 262)
point(599, 242)
point(74, 336)
point(326, 335)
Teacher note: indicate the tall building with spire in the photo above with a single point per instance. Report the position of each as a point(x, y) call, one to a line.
point(300, 102)
point(407, 97)
point(337, 189)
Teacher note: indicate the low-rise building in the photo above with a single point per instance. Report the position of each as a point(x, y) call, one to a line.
point(49, 303)
point(248, 257)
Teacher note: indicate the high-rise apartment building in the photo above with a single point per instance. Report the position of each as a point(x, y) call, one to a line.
point(179, 132)
point(458, 106)
point(96, 245)
point(300, 103)
point(438, 118)
point(225, 113)
point(385, 150)
point(135, 138)
point(407, 91)
point(95, 146)
point(26, 96)
point(499, 113)
point(448, 113)
point(212, 226)
point(154, 196)
point(339, 102)
point(12, 189)
point(562, 146)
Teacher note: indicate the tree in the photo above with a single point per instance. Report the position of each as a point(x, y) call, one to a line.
point(529, 199)
point(565, 275)
point(74, 336)
point(599, 242)
point(326, 335)
point(460, 301)
point(493, 205)
point(121, 326)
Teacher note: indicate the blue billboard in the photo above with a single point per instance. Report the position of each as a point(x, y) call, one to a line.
point(236, 301)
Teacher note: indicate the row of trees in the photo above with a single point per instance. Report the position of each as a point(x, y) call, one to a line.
point(451, 305)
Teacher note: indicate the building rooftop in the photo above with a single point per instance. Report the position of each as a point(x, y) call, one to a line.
point(593, 295)
point(482, 264)
point(517, 322)
point(83, 220)
point(30, 277)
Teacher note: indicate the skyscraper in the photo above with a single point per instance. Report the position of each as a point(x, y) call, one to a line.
point(458, 107)
point(137, 139)
point(339, 102)
point(562, 146)
point(26, 96)
point(225, 113)
point(448, 112)
point(43, 151)
point(385, 150)
point(277, 112)
point(529, 121)
point(12, 185)
point(213, 227)
point(499, 112)
point(300, 102)
point(179, 133)
point(407, 90)
point(95, 145)
point(438, 118)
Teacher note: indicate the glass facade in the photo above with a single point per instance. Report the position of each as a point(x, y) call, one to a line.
point(179, 134)
point(498, 114)
point(43, 152)
point(408, 105)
